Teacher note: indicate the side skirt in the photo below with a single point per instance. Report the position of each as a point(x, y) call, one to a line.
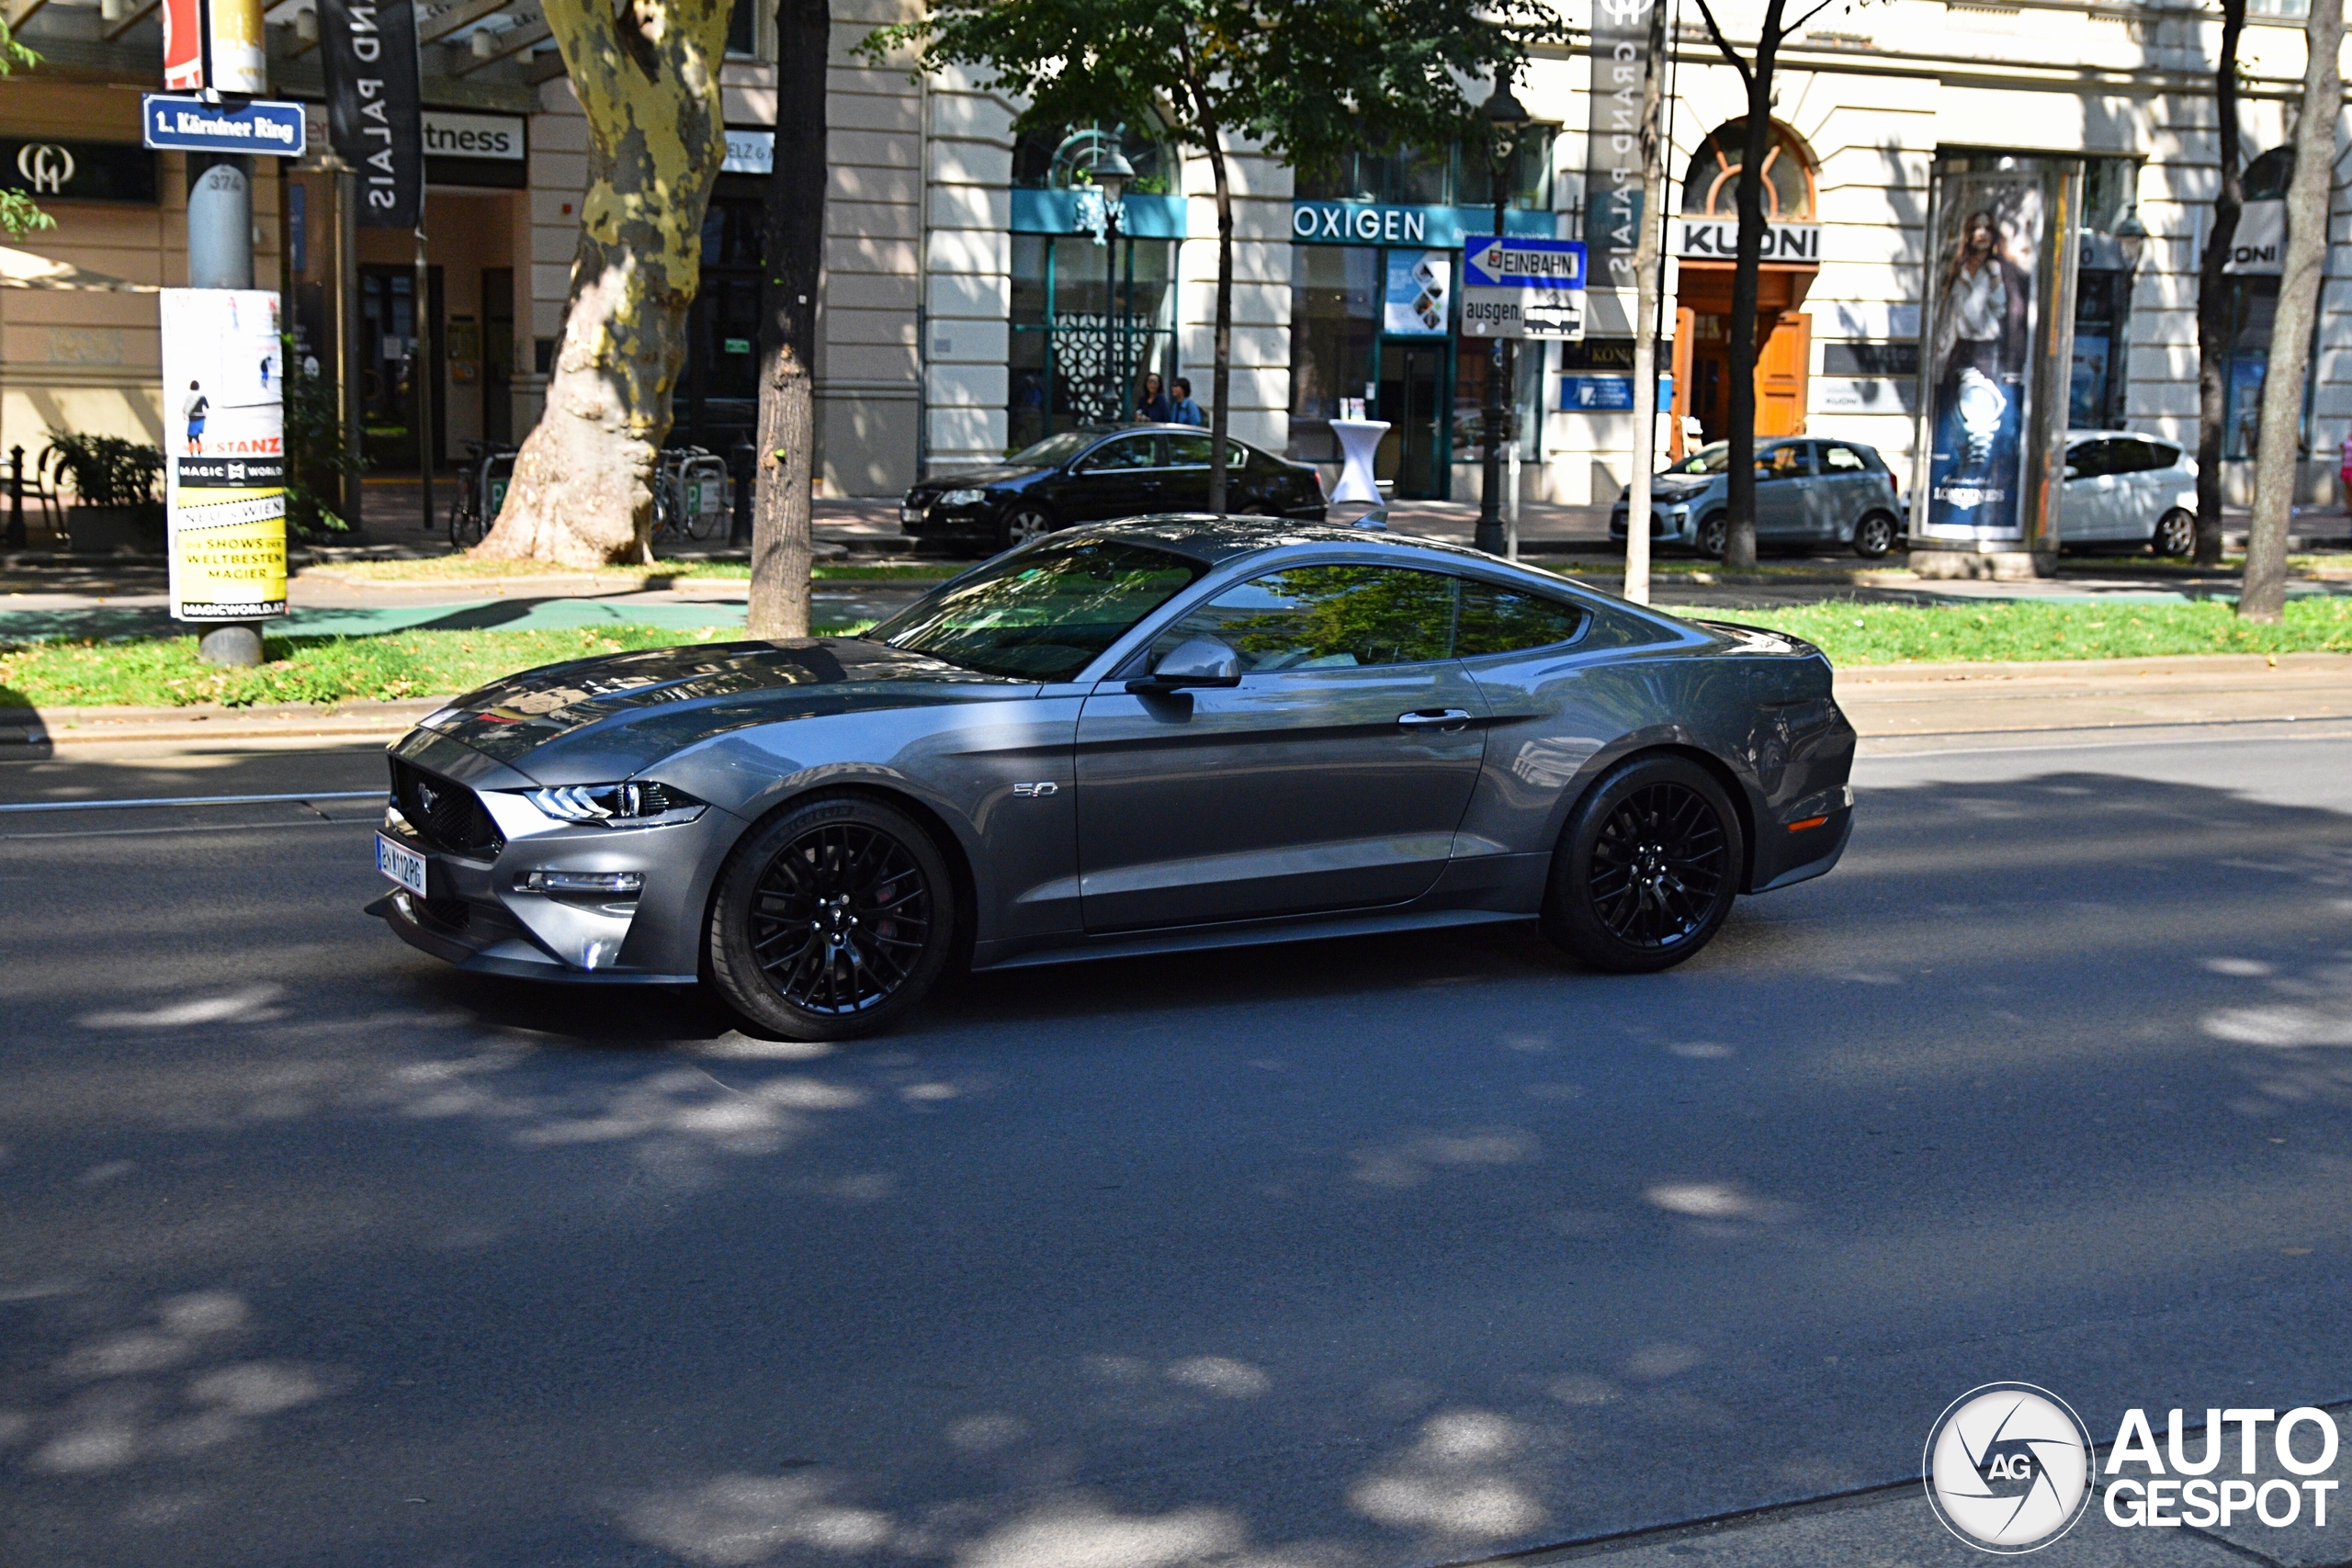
point(1201, 939)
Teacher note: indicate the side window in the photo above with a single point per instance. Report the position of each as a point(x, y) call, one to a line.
point(1326, 617)
point(1782, 463)
point(1188, 451)
point(1842, 460)
point(2092, 460)
point(1127, 452)
point(1507, 620)
point(2142, 457)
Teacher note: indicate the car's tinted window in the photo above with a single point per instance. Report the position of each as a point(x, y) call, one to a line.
point(1507, 620)
point(1326, 617)
point(1782, 463)
point(1041, 614)
point(2138, 457)
point(1127, 452)
point(2089, 459)
point(1837, 459)
point(1192, 452)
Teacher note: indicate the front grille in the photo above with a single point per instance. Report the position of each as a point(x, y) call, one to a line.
point(447, 816)
point(448, 915)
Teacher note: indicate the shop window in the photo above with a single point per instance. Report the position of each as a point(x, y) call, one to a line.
point(1471, 368)
point(1458, 176)
point(1087, 325)
point(1058, 157)
point(1334, 317)
point(1711, 184)
point(743, 30)
point(2253, 310)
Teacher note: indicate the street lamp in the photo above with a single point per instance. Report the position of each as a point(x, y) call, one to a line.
point(2131, 239)
point(1112, 172)
point(1504, 117)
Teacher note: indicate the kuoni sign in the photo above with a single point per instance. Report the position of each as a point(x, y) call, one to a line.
point(1718, 239)
point(224, 453)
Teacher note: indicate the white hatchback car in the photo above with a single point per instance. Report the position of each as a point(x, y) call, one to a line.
point(2124, 489)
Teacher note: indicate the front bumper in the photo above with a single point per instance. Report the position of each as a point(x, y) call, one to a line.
point(928, 520)
point(1669, 524)
point(475, 917)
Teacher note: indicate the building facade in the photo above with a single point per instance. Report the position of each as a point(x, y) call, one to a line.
point(978, 295)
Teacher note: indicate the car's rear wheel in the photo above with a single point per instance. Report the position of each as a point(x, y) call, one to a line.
point(1647, 868)
point(831, 920)
point(1874, 535)
point(2175, 533)
point(1710, 536)
point(1022, 524)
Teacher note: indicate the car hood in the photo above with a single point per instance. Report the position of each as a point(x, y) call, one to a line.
point(1677, 488)
point(976, 479)
point(597, 720)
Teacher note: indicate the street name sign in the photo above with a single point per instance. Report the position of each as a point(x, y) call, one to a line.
point(191, 125)
point(1520, 288)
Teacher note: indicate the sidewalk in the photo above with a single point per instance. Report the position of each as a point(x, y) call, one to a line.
point(1897, 709)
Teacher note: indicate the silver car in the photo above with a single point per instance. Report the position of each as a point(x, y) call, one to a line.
point(2127, 489)
point(1124, 738)
point(1810, 492)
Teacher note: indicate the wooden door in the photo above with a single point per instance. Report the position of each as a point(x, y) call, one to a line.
point(1781, 365)
point(1685, 320)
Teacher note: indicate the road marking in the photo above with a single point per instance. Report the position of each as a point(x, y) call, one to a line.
point(190, 800)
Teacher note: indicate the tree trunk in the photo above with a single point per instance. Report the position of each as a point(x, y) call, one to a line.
point(1221, 341)
point(2264, 595)
point(794, 249)
point(1739, 537)
point(648, 76)
point(1646, 286)
point(2213, 294)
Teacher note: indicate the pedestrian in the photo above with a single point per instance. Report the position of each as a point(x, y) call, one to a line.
point(1184, 411)
point(192, 413)
point(2344, 467)
point(1152, 408)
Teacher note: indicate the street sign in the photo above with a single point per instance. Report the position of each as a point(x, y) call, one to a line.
point(1518, 288)
point(191, 125)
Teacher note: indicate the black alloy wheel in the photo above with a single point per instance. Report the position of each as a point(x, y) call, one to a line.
point(1874, 535)
point(1711, 536)
point(2175, 533)
point(1647, 868)
point(1023, 524)
point(831, 920)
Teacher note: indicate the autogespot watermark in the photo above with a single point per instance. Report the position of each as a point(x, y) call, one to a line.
point(2009, 1468)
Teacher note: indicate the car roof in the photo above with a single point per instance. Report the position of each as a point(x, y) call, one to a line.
point(1212, 538)
point(2119, 435)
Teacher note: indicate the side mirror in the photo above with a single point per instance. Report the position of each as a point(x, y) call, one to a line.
point(1196, 661)
point(2072, 473)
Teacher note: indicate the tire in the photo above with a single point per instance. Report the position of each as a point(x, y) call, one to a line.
point(1712, 534)
point(880, 909)
point(1022, 524)
point(1874, 536)
point(1646, 867)
point(2175, 533)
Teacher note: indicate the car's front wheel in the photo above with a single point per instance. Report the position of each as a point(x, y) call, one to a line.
point(832, 920)
point(1022, 524)
point(1647, 868)
point(1874, 535)
point(2175, 533)
point(1711, 536)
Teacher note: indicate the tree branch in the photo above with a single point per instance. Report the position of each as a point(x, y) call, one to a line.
point(1724, 44)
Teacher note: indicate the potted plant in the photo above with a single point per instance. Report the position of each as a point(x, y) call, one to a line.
point(115, 511)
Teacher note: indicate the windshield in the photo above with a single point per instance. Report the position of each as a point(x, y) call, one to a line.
point(1042, 615)
point(1711, 459)
point(1054, 450)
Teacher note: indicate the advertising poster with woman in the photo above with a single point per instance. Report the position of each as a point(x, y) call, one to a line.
point(1980, 278)
point(224, 453)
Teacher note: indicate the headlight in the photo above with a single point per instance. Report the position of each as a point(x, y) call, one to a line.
point(963, 498)
point(616, 805)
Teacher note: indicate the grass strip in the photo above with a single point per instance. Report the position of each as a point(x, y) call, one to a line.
point(2026, 629)
point(465, 569)
point(165, 671)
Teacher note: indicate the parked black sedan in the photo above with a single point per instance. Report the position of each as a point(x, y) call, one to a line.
point(1088, 476)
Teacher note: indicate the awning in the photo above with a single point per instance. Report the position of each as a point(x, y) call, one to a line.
point(22, 269)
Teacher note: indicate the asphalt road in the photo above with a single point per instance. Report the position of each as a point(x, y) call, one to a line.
point(1407, 1251)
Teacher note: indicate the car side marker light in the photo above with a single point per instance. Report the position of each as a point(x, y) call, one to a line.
point(1808, 822)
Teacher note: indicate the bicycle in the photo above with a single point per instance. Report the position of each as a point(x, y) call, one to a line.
point(691, 497)
point(482, 491)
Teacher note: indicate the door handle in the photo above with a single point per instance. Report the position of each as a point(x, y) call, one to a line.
point(1434, 718)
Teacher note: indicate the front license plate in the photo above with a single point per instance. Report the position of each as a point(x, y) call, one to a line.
point(404, 867)
point(911, 514)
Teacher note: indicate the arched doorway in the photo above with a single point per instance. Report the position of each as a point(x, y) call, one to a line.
point(1703, 296)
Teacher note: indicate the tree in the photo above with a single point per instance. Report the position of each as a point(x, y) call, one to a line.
point(18, 215)
point(1309, 81)
point(2213, 292)
point(793, 251)
point(647, 73)
point(2263, 596)
point(1756, 140)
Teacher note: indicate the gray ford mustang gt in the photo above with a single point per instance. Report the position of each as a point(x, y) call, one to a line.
point(1138, 736)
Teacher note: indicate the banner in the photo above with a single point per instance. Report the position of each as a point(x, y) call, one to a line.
point(224, 432)
point(1613, 157)
point(1981, 306)
point(218, 44)
point(1415, 299)
point(374, 119)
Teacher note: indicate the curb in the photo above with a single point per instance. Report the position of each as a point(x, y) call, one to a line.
point(28, 733)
